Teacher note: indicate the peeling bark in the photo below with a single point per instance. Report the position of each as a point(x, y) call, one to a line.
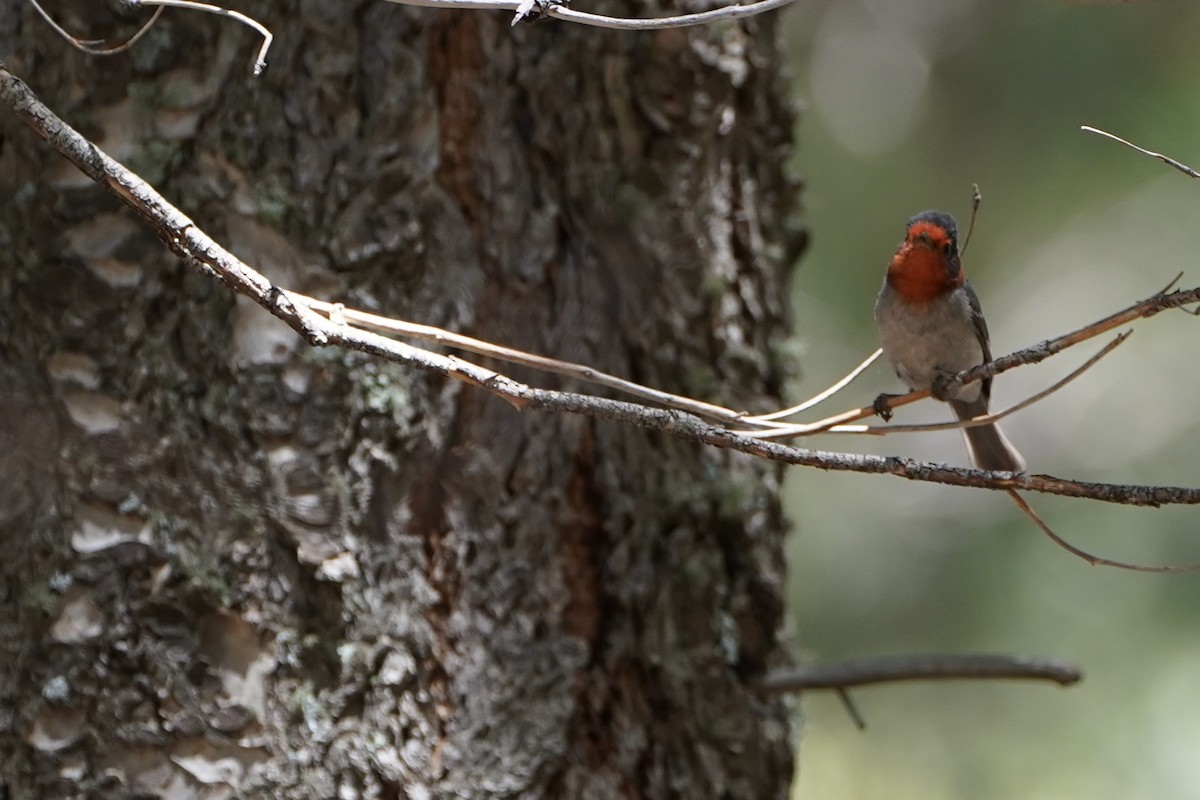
point(237, 567)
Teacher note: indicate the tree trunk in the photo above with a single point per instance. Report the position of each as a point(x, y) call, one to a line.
point(235, 566)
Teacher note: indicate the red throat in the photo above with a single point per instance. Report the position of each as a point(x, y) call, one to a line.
point(920, 273)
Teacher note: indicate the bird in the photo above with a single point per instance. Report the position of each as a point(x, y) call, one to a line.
point(931, 327)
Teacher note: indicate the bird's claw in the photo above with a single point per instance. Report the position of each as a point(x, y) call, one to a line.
point(882, 408)
point(940, 386)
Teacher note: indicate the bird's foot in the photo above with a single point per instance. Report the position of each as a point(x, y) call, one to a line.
point(882, 406)
point(940, 386)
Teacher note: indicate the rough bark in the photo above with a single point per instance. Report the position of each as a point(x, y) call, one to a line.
point(235, 566)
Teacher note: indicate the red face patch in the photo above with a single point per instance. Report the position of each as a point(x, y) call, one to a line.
point(925, 266)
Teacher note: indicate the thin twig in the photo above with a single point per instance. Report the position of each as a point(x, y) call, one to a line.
point(837, 420)
point(1184, 168)
point(260, 62)
point(200, 251)
point(1143, 309)
point(88, 45)
point(601, 21)
point(365, 320)
point(844, 675)
point(976, 200)
point(1091, 558)
point(985, 419)
point(852, 709)
point(816, 399)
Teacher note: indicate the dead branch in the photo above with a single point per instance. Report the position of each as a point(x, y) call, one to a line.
point(521, 9)
point(260, 61)
point(844, 675)
point(1091, 558)
point(817, 398)
point(1184, 168)
point(582, 372)
point(90, 46)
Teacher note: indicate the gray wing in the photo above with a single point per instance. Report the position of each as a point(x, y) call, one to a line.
point(981, 333)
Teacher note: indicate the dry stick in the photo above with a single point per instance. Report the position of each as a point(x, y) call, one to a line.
point(1092, 559)
point(581, 371)
point(260, 62)
point(818, 398)
point(597, 20)
point(86, 46)
point(976, 199)
point(200, 251)
point(1184, 168)
point(852, 709)
point(844, 675)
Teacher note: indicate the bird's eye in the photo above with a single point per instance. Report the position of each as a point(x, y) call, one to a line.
point(948, 248)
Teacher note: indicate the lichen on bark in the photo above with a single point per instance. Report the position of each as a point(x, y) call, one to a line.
point(242, 568)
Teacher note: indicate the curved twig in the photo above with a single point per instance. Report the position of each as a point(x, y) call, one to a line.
point(817, 398)
point(260, 62)
point(1091, 558)
point(87, 45)
point(1184, 168)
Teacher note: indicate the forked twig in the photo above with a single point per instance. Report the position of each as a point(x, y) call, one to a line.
point(865, 672)
point(842, 676)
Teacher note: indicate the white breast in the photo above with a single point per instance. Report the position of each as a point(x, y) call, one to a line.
point(922, 340)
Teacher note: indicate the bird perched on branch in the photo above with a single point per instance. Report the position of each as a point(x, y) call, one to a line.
point(931, 327)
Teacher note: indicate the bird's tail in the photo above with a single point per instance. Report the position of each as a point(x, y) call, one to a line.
point(988, 446)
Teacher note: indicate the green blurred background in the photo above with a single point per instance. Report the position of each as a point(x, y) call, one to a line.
point(906, 103)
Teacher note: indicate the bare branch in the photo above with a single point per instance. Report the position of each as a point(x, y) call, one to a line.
point(1160, 301)
point(852, 709)
point(582, 372)
point(1092, 559)
point(260, 62)
point(844, 675)
point(199, 250)
point(1184, 168)
point(818, 398)
point(89, 45)
point(976, 200)
point(601, 21)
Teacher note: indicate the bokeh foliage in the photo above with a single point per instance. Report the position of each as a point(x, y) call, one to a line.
point(907, 103)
